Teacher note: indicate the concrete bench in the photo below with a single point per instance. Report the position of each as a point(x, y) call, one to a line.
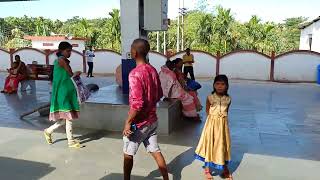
point(40, 71)
point(36, 72)
point(108, 108)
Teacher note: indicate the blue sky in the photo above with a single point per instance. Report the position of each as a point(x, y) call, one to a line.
point(267, 10)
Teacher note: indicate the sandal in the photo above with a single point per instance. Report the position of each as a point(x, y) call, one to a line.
point(208, 174)
point(74, 144)
point(227, 175)
point(48, 137)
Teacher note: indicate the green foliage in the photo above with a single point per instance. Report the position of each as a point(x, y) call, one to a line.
point(102, 33)
point(17, 41)
point(204, 29)
point(219, 31)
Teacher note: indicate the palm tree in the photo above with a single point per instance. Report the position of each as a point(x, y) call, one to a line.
point(205, 30)
point(253, 30)
point(83, 28)
point(42, 27)
point(3, 37)
point(222, 27)
point(94, 38)
point(236, 34)
point(266, 43)
point(115, 27)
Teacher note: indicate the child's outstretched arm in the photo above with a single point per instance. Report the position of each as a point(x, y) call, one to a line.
point(207, 106)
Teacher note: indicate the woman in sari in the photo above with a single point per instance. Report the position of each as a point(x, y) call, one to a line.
point(17, 73)
point(22, 69)
point(172, 89)
point(12, 81)
point(178, 63)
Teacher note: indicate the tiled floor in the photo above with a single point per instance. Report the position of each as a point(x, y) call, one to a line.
point(275, 132)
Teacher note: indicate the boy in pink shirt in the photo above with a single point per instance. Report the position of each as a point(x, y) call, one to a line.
point(141, 125)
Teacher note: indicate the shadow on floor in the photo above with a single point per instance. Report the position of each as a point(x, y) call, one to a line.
point(176, 166)
point(116, 176)
point(92, 136)
point(23, 170)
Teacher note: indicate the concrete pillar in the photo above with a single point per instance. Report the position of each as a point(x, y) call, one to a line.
point(134, 24)
point(218, 63)
point(84, 61)
point(47, 52)
point(273, 56)
point(130, 30)
point(11, 51)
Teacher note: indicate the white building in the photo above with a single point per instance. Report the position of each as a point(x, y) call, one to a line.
point(52, 42)
point(310, 36)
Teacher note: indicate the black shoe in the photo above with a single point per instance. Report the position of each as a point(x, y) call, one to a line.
point(91, 76)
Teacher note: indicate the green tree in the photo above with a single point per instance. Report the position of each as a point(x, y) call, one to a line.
point(222, 27)
point(17, 41)
point(115, 28)
point(42, 27)
point(205, 29)
point(291, 32)
point(3, 37)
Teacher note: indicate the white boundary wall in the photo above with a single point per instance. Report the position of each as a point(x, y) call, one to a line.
point(246, 65)
point(106, 62)
point(204, 66)
point(29, 55)
point(4, 60)
point(296, 67)
point(292, 66)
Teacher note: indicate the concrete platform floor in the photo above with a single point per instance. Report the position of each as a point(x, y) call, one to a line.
point(275, 132)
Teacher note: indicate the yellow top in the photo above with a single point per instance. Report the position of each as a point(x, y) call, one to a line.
point(188, 60)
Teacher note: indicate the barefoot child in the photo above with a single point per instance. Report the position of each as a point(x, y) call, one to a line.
point(214, 144)
point(142, 122)
point(64, 101)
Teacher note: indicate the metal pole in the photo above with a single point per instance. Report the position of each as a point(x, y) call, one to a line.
point(182, 31)
point(178, 29)
point(158, 39)
point(164, 43)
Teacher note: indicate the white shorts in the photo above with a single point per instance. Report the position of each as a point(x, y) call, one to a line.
point(146, 134)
